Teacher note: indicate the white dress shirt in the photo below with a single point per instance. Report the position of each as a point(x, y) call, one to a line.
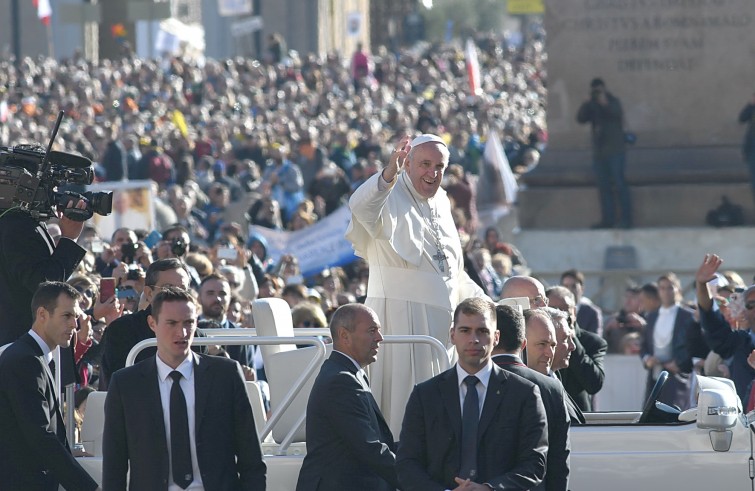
point(47, 355)
point(663, 331)
point(360, 370)
point(482, 386)
point(46, 350)
point(187, 385)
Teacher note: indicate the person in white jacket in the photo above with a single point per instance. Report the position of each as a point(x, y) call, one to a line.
point(401, 224)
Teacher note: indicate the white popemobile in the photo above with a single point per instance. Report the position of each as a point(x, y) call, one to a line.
point(709, 447)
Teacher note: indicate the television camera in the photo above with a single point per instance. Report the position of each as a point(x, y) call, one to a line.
point(30, 177)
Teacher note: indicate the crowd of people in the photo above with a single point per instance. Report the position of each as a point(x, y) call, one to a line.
point(238, 143)
point(293, 131)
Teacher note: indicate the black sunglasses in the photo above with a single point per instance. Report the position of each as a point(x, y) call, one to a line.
point(88, 292)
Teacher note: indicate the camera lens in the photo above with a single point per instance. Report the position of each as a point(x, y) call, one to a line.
point(100, 203)
point(128, 251)
point(178, 247)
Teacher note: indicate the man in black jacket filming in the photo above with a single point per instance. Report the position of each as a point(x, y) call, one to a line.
point(30, 256)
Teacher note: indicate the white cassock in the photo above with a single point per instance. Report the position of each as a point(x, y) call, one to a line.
point(406, 288)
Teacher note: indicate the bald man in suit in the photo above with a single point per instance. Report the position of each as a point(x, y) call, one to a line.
point(349, 444)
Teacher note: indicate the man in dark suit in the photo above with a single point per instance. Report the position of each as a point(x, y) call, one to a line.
point(125, 332)
point(349, 444)
point(215, 298)
point(475, 426)
point(541, 349)
point(584, 375)
point(507, 355)
point(664, 346)
point(588, 315)
point(29, 256)
point(34, 453)
point(178, 417)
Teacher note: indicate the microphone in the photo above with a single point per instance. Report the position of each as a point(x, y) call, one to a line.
point(69, 160)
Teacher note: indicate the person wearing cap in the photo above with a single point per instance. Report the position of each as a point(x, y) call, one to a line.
point(401, 224)
point(604, 113)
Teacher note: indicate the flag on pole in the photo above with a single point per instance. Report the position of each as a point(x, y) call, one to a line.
point(497, 174)
point(44, 11)
point(473, 68)
point(4, 112)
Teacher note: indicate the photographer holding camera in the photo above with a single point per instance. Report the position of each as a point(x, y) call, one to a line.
point(603, 111)
point(28, 257)
point(33, 190)
point(29, 195)
point(122, 249)
point(175, 243)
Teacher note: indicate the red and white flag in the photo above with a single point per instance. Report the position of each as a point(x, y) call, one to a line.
point(497, 175)
point(473, 68)
point(4, 112)
point(44, 11)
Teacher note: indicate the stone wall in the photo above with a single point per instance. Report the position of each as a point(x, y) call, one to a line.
point(682, 68)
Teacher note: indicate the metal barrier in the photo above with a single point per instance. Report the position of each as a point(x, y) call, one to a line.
point(304, 336)
point(435, 345)
point(261, 340)
point(440, 351)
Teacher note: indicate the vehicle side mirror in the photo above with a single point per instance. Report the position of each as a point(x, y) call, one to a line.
point(716, 410)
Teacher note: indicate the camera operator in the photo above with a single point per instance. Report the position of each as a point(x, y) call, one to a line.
point(175, 244)
point(123, 241)
point(37, 185)
point(28, 257)
point(627, 321)
point(604, 113)
point(129, 282)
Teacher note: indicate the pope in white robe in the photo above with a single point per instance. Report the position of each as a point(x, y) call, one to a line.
point(402, 225)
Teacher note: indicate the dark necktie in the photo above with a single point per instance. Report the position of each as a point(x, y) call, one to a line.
point(60, 429)
point(179, 434)
point(363, 378)
point(470, 419)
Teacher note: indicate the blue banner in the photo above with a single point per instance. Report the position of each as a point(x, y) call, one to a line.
point(317, 247)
